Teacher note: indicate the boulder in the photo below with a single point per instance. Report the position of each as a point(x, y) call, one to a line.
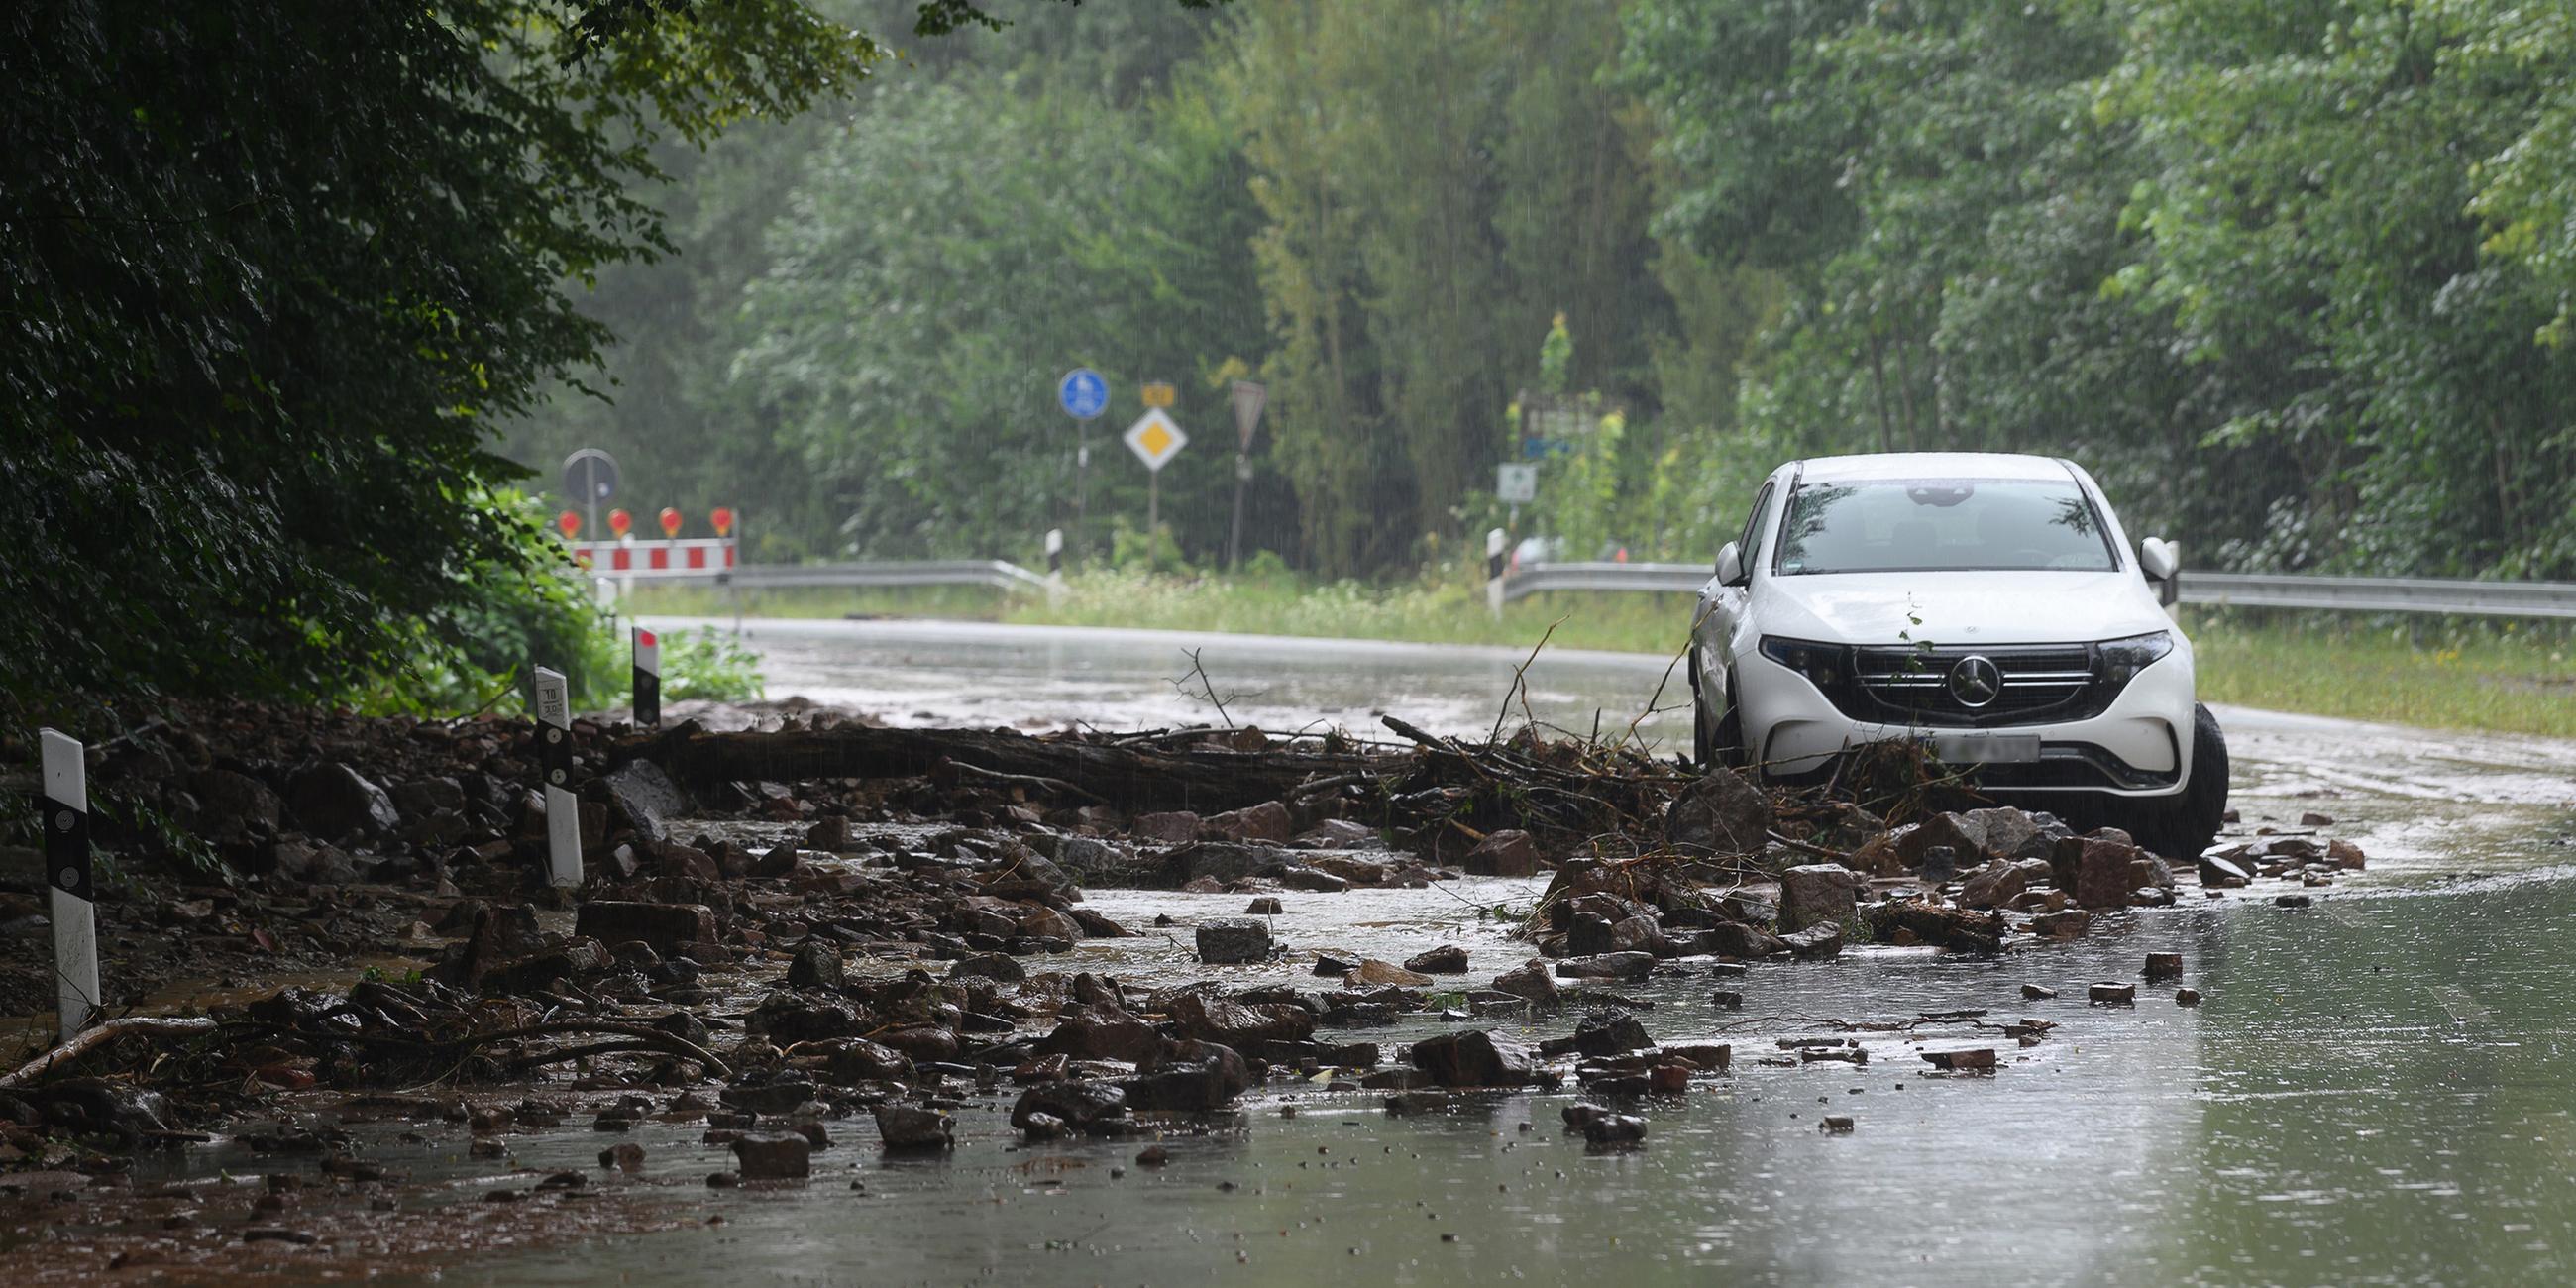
point(1102, 1032)
point(773, 1156)
point(1313, 879)
point(332, 801)
point(816, 965)
point(1088, 1107)
point(1448, 959)
point(1507, 852)
point(1373, 973)
point(1268, 822)
point(1735, 939)
point(1231, 940)
point(666, 927)
point(1816, 942)
point(1240, 1025)
point(1817, 893)
point(1339, 834)
point(1722, 813)
point(1223, 861)
point(1179, 827)
point(1607, 966)
point(232, 806)
point(648, 798)
point(2102, 874)
point(1474, 1058)
point(1529, 981)
point(998, 967)
point(2001, 881)
point(859, 1060)
point(1194, 1077)
point(1963, 836)
point(912, 1129)
point(1609, 1033)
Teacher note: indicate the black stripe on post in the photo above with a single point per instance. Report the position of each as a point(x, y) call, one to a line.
point(67, 851)
point(554, 755)
point(648, 698)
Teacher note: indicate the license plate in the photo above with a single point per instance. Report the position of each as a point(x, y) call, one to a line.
point(1985, 748)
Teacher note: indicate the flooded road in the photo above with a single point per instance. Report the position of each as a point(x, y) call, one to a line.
point(2378, 1089)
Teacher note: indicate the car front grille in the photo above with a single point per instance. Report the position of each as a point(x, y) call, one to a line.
point(2032, 684)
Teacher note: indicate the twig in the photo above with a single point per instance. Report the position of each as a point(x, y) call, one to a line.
point(1030, 780)
point(1520, 683)
point(83, 1043)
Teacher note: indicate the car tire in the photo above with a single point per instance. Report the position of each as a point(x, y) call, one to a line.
point(2182, 827)
point(1721, 743)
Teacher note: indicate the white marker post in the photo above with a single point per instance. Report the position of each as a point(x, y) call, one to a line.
point(554, 756)
point(67, 870)
point(1494, 572)
point(1055, 565)
point(648, 678)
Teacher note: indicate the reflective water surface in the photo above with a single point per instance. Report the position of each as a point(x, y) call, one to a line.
point(2376, 1089)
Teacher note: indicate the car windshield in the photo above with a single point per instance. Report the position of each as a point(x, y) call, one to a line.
point(1941, 525)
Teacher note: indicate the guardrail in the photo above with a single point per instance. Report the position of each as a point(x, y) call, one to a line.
point(996, 573)
point(2238, 589)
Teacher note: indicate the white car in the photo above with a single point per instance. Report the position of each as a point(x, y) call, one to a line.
point(1988, 605)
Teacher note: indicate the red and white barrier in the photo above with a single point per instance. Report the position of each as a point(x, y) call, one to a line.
point(692, 557)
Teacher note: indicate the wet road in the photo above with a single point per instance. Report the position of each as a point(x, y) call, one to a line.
point(2377, 1090)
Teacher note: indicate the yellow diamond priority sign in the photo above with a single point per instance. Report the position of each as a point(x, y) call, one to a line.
point(1155, 439)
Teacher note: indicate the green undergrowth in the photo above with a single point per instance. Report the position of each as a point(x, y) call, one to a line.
point(2437, 672)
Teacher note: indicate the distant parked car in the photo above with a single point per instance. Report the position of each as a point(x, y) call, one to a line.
point(1987, 605)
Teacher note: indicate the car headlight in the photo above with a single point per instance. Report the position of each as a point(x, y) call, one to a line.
point(2124, 658)
point(1822, 664)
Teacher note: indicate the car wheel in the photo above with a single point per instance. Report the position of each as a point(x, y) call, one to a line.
point(2182, 827)
point(1721, 743)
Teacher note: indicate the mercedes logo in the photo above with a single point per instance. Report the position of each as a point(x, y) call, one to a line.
point(1976, 681)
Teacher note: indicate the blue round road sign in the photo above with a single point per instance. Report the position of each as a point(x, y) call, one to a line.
point(1082, 393)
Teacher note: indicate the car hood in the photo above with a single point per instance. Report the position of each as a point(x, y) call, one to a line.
point(1960, 607)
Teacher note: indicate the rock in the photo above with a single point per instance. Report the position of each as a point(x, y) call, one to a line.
point(1964, 837)
point(830, 834)
point(1735, 939)
point(2314, 819)
point(2221, 872)
point(859, 1060)
point(1474, 1058)
point(1722, 813)
point(1530, 981)
point(667, 928)
point(2101, 870)
point(331, 800)
point(2011, 834)
point(1238, 1025)
point(777, 1096)
point(1179, 827)
point(781, 863)
point(1339, 834)
point(1448, 959)
point(1233, 940)
point(1266, 906)
point(1222, 861)
point(2112, 994)
point(2001, 881)
point(1192, 1077)
point(1373, 973)
point(2070, 924)
point(1817, 893)
point(231, 806)
point(1507, 852)
point(1089, 1107)
point(2037, 992)
point(816, 965)
point(998, 967)
point(1816, 943)
point(2346, 855)
point(1609, 1033)
point(1268, 822)
point(1602, 1128)
point(912, 1129)
point(627, 1158)
point(1608, 966)
point(1313, 879)
point(773, 1156)
point(1639, 933)
point(1333, 964)
point(1102, 1032)
point(1974, 1060)
point(2163, 965)
point(648, 798)
point(307, 863)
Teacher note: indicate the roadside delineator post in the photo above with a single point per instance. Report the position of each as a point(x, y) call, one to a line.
point(1494, 572)
point(554, 759)
point(72, 896)
point(1055, 565)
point(648, 677)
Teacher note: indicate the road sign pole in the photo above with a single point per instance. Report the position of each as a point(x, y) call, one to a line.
point(72, 898)
point(1153, 505)
point(1248, 399)
point(1234, 534)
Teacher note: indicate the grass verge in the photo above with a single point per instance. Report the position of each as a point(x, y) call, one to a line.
point(2435, 672)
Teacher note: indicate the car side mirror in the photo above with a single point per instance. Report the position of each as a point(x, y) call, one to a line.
point(2160, 559)
point(1730, 566)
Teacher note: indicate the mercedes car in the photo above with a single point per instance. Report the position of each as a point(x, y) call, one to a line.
point(1987, 606)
